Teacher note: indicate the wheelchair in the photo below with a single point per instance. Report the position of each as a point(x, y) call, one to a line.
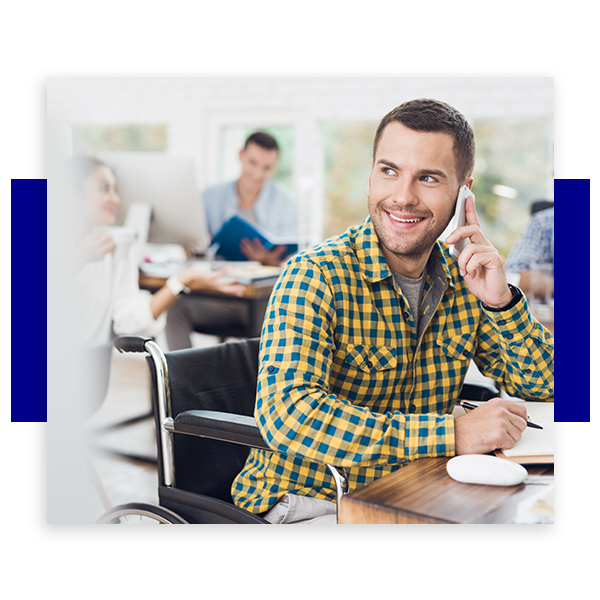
point(203, 403)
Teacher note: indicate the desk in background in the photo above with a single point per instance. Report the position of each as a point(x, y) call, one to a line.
point(253, 304)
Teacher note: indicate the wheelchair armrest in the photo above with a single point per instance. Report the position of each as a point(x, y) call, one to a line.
point(478, 390)
point(131, 343)
point(227, 427)
point(238, 429)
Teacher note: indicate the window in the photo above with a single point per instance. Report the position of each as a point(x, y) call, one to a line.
point(513, 169)
point(348, 148)
point(90, 140)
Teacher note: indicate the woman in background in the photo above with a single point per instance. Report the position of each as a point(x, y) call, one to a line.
point(106, 285)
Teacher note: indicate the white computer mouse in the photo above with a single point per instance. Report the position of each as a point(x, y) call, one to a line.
point(485, 469)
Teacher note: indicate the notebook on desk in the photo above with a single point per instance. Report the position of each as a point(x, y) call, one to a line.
point(536, 446)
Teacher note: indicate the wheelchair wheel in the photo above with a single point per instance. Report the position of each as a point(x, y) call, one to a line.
point(137, 513)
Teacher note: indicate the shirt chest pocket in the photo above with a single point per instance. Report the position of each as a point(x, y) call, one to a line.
point(458, 347)
point(371, 359)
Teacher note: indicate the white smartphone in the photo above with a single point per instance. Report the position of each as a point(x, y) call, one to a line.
point(460, 219)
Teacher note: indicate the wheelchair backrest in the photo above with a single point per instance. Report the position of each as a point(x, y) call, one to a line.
point(221, 378)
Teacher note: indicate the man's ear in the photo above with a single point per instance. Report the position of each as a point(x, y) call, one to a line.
point(469, 182)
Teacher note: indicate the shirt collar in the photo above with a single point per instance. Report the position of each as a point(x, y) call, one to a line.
point(374, 267)
point(438, 267)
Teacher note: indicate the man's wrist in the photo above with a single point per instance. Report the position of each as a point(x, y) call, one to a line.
point(516, 296)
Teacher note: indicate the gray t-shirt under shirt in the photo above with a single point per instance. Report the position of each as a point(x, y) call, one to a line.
point(413, 290)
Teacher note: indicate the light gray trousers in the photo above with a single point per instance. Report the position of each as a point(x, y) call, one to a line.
point(302, 510)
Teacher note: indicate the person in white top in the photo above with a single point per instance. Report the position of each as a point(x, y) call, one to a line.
point(106, 285)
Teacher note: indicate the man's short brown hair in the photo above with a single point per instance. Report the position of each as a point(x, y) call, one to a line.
point(262, 139)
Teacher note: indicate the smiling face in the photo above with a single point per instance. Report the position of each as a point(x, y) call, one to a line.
point(412, 191)
point(100, 197)
point(258, 165)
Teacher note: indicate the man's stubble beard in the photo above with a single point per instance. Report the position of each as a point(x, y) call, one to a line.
point(422, 245)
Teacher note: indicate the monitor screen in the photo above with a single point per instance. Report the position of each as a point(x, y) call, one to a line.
point(168, 184)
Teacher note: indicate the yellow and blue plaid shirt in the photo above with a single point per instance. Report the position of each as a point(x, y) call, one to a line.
point(346, 378)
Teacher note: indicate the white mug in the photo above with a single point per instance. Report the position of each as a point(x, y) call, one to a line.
point(123, 237)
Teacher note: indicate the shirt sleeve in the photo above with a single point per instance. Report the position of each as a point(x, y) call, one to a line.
point(287, 217)
point(277, 211)
point(297, 412)
point(131, 311)
point(517, 351)
point(534, 246)
point(211, 208)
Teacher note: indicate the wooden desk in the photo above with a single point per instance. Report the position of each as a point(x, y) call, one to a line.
point(422, 492)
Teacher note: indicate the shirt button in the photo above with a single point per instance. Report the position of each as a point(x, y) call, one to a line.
point(270, 369)
point(501, 322)
point(412, 408)
point(369, 364)
point(509, 336)
point(406, 315)
point(466, 353)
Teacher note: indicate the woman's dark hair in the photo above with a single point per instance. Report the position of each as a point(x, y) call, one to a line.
point(78, 169)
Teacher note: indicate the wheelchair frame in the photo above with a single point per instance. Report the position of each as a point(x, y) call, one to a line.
point(226, 427)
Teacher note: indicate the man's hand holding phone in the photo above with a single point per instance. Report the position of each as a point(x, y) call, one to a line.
point(479, 262)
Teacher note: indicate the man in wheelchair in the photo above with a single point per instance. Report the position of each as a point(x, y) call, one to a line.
point(368, 336)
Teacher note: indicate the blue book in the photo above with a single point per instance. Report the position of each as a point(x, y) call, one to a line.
point(233, 231)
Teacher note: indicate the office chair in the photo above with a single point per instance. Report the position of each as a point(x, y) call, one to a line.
point(251, 314)
point(538, 205)
point(203, 407)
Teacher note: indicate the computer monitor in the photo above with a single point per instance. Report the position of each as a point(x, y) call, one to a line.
point(168, 184)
